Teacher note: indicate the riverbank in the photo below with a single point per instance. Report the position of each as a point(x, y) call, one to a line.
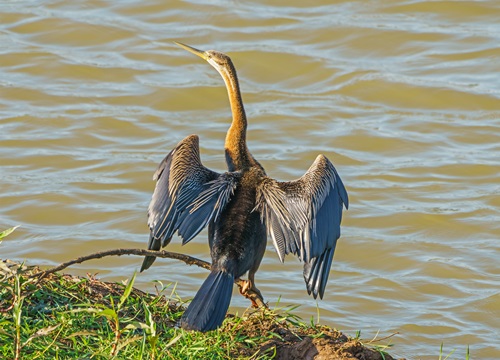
point(64, 316)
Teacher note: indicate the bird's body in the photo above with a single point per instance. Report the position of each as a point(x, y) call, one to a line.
point(241, 207)
point(238, 240)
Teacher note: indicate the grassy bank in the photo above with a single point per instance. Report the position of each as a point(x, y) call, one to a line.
point(62, 316)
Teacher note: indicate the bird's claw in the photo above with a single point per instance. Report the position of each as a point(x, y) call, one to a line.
point(248, 290)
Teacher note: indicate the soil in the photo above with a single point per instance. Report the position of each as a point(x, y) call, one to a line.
point(305, 344)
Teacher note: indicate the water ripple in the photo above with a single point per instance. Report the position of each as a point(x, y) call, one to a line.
point(403, 96)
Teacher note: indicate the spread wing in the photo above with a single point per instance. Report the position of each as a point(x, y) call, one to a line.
point(303, 217)
point(187, 196)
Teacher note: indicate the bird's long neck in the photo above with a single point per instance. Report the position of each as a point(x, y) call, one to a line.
point(237, 155)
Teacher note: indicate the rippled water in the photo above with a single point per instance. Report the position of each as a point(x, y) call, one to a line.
point(403, 97)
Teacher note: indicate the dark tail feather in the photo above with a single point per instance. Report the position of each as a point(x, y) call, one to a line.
point(209, 306)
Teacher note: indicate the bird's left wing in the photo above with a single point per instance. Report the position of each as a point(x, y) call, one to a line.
point(187, 196)
point(303, 217)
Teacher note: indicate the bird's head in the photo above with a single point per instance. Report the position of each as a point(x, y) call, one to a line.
point(220, 61)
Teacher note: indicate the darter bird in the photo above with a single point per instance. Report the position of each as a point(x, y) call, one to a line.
point(241, 208)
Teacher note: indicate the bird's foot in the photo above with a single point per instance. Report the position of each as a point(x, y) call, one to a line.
point(250, 291)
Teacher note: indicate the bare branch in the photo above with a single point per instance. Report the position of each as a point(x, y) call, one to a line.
point(119, 252)
point(255, 297)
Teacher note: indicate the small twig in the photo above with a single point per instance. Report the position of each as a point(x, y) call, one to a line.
point(11, 306)
point(383, 338)
point(255, 297)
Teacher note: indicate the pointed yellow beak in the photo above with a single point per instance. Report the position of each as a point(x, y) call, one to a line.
point(200, 53)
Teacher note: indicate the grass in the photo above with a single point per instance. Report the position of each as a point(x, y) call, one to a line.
point(7, 232)
point(62, 316)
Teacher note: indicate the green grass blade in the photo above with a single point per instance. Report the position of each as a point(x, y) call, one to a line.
point(127, 291)
point(8, 232)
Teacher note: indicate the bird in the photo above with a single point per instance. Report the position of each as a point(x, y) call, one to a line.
point(242, 208)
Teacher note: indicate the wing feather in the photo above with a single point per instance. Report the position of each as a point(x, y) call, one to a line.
point(303, 217)
point(187, 196)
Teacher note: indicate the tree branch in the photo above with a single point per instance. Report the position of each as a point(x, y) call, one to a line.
point(119, 252)
point(253, 296)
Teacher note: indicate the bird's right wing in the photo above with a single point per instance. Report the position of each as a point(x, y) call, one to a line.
point(187, 196)
point(303, 217)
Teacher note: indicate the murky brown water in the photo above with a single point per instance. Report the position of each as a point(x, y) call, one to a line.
point(404, 97)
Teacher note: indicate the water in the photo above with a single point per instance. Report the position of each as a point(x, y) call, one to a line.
point(403, 97)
